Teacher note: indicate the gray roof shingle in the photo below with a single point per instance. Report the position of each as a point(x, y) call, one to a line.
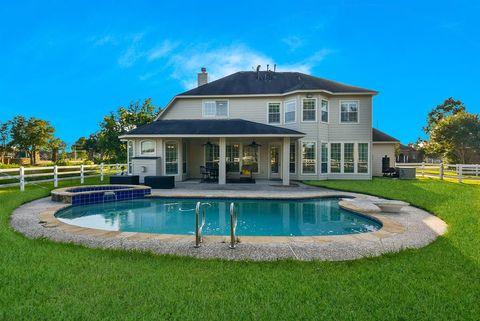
point(379, 136)
point(197, 127)
point(269, 82)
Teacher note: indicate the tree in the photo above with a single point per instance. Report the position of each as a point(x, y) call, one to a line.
point(449, 107)
point(117, 123)
point(455, 137)
point(30, 134)
point(55, 145)
point(4, 136)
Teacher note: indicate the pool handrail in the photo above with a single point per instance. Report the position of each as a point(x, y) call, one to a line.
point(198, 226)
point(233, 226)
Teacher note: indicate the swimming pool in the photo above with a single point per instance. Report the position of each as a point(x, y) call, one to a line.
point(306, 217)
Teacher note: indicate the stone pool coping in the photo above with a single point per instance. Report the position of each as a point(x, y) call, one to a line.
point(412, 228)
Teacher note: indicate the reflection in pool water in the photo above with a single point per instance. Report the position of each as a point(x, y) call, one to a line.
point(306, 217)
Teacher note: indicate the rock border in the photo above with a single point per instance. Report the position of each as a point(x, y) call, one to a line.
point(412, 228)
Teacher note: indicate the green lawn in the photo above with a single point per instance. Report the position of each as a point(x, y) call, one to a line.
point(43, 280)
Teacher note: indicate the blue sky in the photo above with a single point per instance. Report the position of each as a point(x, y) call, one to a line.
point(73, 62)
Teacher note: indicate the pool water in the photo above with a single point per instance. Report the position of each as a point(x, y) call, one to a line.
point(306, 217)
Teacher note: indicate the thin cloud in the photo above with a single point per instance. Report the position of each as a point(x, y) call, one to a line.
point(293, 42)
point(162, 50)
point(227, 60)
point(133, 52)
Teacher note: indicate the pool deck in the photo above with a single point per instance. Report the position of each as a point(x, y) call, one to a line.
point(412, 228)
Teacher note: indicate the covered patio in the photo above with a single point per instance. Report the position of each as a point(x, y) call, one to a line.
point(214, 150)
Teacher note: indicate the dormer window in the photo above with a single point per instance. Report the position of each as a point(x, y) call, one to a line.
point(216, 108)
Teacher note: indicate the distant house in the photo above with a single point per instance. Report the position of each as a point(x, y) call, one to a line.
point(408, 154)
point(282, 125)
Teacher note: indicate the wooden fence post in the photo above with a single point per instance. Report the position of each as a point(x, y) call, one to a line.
point(55, 176)
point(117, 168)
point(22, 178)
point(440, 172)
point(460, 173)
point(423, 169)
point(101, 172)
point(82, 174)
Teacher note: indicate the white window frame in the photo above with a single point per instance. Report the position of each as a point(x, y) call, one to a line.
point(295, 145)
point(316, 110)
point(165, 157)
point(328, 111)
point(340, 111)
point(328, 158)
point(242, 147)
point(301, 157)
point(204, 102)
point(355, 157)
point(285, 111)
point(268, 112)
point(239, 154)
point(205, 153)
point(129, 161)
point(154, 147)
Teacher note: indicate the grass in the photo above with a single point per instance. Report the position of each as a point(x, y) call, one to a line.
point(43, 280)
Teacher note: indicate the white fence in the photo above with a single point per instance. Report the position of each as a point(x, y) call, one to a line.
point(459, 172)
point(33, 175)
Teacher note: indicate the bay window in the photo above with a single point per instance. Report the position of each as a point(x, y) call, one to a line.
point(324, 160)
point(290, 111)
point(362, 166)
point(335, 157)
point(349, 111)
point(325, 111)
point(348, 161)
point(309, 110)
point(309, 157)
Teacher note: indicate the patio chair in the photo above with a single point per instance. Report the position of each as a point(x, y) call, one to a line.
point(205, 174)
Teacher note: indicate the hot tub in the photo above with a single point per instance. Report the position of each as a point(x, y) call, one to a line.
point(84, 195)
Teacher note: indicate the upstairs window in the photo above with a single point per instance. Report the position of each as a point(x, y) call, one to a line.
point(309, 109)
point(218, 108)
point(325, 111)
point(349, 112)
point(290, 111)
point(147, 147)
point(274, 113)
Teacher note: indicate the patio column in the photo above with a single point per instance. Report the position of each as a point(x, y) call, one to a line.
point(222, 168)
point(286, 161)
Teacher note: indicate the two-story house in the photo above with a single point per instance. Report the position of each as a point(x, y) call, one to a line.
point(284, 125)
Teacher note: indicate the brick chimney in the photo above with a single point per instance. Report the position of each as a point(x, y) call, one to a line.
point(202, 77)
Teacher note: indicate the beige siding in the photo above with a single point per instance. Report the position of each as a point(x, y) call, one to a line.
point(379, 151)
point(256, 109)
